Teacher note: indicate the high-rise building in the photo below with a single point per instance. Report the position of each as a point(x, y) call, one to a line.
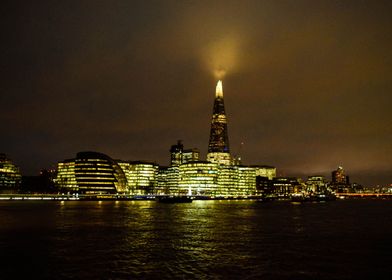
point(179, 156)
point(190, 155)
point(338, 177)
point(176, 153)
point(218, 147)
point(10, 177)
point(340, 182)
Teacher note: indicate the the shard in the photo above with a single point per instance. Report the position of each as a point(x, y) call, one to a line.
point(218, 147)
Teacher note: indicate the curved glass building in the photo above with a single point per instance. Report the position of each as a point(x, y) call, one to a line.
point(91, 173)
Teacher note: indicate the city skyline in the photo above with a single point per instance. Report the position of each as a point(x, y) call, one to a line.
point(307, 86)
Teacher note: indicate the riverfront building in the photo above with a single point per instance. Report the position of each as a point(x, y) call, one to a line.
point(10, 177)
point(316, 184)
point(91, 173)
point(141, 176)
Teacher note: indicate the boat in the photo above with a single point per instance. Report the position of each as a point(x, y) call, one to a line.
point(319, 197)
point(174, 199)
point(266, 199)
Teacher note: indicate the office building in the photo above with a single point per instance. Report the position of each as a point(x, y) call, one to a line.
point(198, 178)
point(10, 177)
point(141, 176)
point(91, 173)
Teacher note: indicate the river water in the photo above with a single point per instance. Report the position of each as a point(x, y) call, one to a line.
point(349, 239)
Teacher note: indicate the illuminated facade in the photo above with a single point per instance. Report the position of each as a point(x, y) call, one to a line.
point(316, 184)
point(246, 184)
point(189, 176)
point(266, 171)
point(198, 178)
point(179, 156)
point(141, 176)
point(340, 182)
point(66, 179)
point(91, 173)
point(218, 146)
point(10, 177)
point(176, 154)
point(227, 180)
point(338, 176)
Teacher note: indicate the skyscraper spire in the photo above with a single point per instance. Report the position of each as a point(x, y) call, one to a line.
point(219, 89)
point(218, 147)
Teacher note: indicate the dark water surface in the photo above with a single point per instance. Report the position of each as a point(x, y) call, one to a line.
point(349, 239)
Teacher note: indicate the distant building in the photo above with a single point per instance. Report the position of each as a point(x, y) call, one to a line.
point(287, 185)
point(10, 177)
point(190, 155)
point(265, 171)
point(340, 182)
point(176, 154)
point(338, 177)
point(91, 173)
point(316, 184)
point(42, 183)
point(179, 156)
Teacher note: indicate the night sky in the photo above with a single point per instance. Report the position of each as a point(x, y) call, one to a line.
point(307, 84)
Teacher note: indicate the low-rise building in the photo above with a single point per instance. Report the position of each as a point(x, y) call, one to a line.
point(10, 176)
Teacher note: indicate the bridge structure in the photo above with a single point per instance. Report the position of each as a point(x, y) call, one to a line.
point(364, 195)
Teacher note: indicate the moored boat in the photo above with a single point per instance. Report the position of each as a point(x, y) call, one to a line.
point(174, 199)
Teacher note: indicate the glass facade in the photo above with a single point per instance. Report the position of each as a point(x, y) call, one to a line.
point(316, 184)
point(218, 146)
point(198, 178)
point(66, 179)
point(246, 184)
point(10, 177)
point(91, 173)
point(141, 176)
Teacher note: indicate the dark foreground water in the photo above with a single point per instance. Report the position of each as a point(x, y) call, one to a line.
point(203, 240)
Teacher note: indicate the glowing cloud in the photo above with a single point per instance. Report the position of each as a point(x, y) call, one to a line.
point(221, 56)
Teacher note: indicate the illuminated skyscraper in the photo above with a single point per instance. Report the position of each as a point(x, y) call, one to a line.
point(218, 147)
point(338, 176)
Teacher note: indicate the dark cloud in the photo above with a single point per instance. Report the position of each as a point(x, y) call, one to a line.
point(307, 84)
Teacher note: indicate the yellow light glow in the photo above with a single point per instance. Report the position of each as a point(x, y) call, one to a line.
point(219, 89)
point(222, 55)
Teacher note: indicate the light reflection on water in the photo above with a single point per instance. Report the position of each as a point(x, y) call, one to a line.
point(199, 240)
